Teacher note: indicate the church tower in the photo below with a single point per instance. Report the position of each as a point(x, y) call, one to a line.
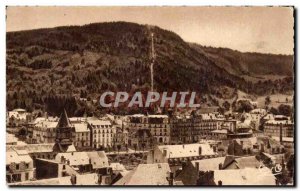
point(65, 133)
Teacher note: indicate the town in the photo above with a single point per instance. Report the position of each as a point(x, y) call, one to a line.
point(203, 147)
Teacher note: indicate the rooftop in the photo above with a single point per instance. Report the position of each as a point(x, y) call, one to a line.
point(147, 174)
point(187, 150)
point(247, 176)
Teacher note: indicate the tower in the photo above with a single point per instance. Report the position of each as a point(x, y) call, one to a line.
point(65, 133)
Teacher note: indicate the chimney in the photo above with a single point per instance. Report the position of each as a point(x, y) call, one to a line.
point(90, 161)
point(220, 166)
point(200, 150)
point(197, 166)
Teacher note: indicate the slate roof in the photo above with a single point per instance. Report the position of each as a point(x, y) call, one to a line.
point(147, 174)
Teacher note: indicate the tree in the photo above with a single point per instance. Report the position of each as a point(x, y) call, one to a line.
point(274, 111)
point(226, 105)
point(285, 110)
point(267, 100)
point(244, 106)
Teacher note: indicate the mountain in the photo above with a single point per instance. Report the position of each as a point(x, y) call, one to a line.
point(250, 65)
point(50, 68)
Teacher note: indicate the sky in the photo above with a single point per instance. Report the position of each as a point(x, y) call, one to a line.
point(247, 29)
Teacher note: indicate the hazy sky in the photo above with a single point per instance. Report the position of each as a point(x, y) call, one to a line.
point(254, 29)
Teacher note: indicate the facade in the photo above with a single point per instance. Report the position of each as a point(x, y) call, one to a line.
point(191, 129)
point(82, 135)
point(44, 132)
point(19, 166)
point(121, 138)
point(158, 125)
point(279, 127)
point(102, 133)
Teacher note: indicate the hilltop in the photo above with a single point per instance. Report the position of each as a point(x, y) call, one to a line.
point(51, 68)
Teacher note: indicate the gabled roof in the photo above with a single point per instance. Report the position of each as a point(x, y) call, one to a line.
point(242, 162)
point(147, 174)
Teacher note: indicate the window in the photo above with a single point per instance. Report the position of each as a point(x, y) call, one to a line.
point(26, 176)
point(17, 166)
point(27, 165)
point(7, 167)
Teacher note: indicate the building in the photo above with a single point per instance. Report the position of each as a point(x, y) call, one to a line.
point(65, 133)
point(17, 117)
point(121, 138)
point(158, 125)
point(254, 145)
point(176, 154)
point(82, 136)
point(279, 126)
point(141, 139)
point(102, 133)
point(44, 132)
point(191, 129)
point(19, 166)
point(146, 174)
point(84, 162)
point(190, 171)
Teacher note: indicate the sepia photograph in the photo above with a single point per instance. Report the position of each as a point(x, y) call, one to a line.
point(160, 96)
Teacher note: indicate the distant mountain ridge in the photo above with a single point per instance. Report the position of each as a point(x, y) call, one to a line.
point(87, 60)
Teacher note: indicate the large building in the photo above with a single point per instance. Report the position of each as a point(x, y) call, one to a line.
point(158, 125)
point(193, 128)
point(44, 132)
point(82, 136)
point(102, 133)
point(280, 126)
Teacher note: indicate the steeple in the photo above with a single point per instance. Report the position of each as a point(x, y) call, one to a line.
point(65, 133)
point(63, 120)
